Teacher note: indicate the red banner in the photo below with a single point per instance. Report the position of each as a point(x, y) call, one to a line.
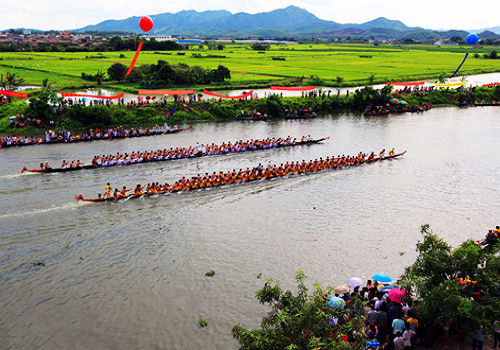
point(293, 88)
point(13, 93)
point(166, 92)
point(490, 85)
point(134, 59)
point(249, 93)
point(70, 94)
point(402, 83)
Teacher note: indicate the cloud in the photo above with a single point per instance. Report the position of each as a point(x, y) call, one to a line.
point(69, 14)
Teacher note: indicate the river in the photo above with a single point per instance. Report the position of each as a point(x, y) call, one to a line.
point(131, 275)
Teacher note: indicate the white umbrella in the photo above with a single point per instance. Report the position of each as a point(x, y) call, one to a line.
point(354, 282)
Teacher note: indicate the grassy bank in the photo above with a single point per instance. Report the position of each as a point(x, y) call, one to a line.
point(81, 118)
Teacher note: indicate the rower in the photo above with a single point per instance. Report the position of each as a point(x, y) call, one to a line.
point(108, 191)
point(381, 154)
point(41, 167)
point(138, 189)
point(123, 192)
point(47, 166)
point(391, 152)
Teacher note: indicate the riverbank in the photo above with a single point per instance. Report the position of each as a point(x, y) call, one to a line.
point(78, 118)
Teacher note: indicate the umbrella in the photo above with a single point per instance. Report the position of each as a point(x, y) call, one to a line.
point(381, 277)
point(336, 302)
point(387, 288)
point(403, 102)
point(396, 294)
point(342, 289)
point(394, 100)
point(354, 282)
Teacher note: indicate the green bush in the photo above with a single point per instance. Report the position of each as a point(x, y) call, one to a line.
point(91, 116)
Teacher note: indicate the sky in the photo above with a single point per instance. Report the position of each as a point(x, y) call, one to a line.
point(430, 14)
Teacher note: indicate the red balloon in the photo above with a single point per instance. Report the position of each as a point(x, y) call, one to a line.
point(146, 23)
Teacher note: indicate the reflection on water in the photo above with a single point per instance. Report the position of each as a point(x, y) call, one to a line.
point(131, 274)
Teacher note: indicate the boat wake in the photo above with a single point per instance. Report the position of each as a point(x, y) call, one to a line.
point(13, 176)
point(67, 206)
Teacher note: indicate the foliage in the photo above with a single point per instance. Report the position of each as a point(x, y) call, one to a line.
point(11, 81)
point(202, 322)
point(441, 298)
point(274, 106)
point(260, 47)
point(90, 116)
point(38, 263)
point(164, 74)
point(442, 77)
point(210, 273)
point(369, 96)
point(301, 321)
point(99, 77)
point(117, 71)
point(40, 107)
point(46, 86)
point(493, 55)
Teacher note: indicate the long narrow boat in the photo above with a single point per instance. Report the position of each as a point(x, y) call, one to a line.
point(108, 138)
point(142, 194)
point(301, 116)
point(252, 119)
point(153, 160)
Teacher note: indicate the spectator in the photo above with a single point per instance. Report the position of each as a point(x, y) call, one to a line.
point(398, 325)
point(478, 339)
point(408, 334)
point(398, 341)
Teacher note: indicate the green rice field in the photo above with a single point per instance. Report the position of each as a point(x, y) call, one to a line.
point(354, 63)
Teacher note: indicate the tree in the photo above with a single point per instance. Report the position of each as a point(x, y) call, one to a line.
point(46, 86)
point(437, 278)
point(220, 47)
point(260, 47)
point(442, 77)
point(10, 82)
point(117, 71)
point(40, 107)
point(218, 75)
point(274, 106)
point(303, 321)
point(99, 77)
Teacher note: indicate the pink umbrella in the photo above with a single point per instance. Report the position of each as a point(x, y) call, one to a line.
point(396, 294)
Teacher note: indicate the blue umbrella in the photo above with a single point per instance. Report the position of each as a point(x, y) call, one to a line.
point(336, 302)
point(381, 277)
point(387, 288)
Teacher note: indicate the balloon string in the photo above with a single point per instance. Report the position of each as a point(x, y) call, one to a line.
point(460, 66)
point(135, 59)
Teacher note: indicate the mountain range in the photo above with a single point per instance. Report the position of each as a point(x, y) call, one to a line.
point(289, 21)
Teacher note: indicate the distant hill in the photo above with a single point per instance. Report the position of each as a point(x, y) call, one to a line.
point(383, 22)
point(495, 30)
point(289, 21)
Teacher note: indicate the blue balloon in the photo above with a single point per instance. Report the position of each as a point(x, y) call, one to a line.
point(472, 39)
